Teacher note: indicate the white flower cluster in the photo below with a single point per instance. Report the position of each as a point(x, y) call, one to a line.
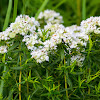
point(44, 41)
point(31, 40)
point(3, 49)
point(55, 33)
point(76, 36)
point(91, 24)
point(40, 53)
point(22, 25)
point(50, 16)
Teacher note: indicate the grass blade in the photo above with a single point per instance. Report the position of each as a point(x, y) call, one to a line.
point(78, 12)
point(15, 9)
point(59, 4)
point(2, 81)
point(83, 9)
point(7, 15)
point(41, 8)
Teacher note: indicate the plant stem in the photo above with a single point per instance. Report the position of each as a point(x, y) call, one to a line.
point(53, 87)
point(20, 80)
point(83, 9)
point(58, 84)
point(27, 84)
point(89, 70)
point(27, 87)
point(65, 79)
point(78, 12)
point(2, 81)
point(66, 85)
point(20, 86)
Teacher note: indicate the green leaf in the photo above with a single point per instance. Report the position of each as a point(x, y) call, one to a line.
point(3, 59)
point(41, 8)
point(7, 15)
point(59, 4)
point(2, 82)
point(47, 88)
point(72, 66)
point(17, 68)
point(90, 46)
point(55, 87)
point(62, 54)
point(83, 9)
point(45, 94)
point(10, 94)
point(13, 47)
point(77, 73)
point(15, 9)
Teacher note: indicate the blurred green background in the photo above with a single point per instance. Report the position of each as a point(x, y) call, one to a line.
point(73, 11)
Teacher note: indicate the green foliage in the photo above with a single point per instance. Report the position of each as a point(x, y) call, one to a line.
point(47, 80)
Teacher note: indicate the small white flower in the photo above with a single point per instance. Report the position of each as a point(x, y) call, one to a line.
point(50, 16)
point(3, 49)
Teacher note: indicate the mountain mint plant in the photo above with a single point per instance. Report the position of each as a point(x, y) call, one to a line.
point(26, 38)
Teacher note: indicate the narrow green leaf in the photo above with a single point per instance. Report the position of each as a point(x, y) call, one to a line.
point(72, 66)
point(47, 88)
point(3, 59)
point(10, 94)
point(90, 46)
point(14, 46)
point(55, 87)
point(59, 4)
point(62, 54)
point(41, 8)
point(17, 68)
point(83, 9)
point(7, 15)
point(45, 94)
point(77, 73)
point(2, 82)
point(15, 9)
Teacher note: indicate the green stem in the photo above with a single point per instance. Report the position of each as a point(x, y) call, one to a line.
point(89, 70)
point(58, 85)
point(83, 9)
point(65, 79)
point(2, 82)
point(27, 84)
point(27, 88)
point(53, 87)
point(78, 12)
point(20, 77)
point(66, 85)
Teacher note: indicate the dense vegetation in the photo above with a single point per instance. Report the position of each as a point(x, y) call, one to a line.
point(62, 77)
